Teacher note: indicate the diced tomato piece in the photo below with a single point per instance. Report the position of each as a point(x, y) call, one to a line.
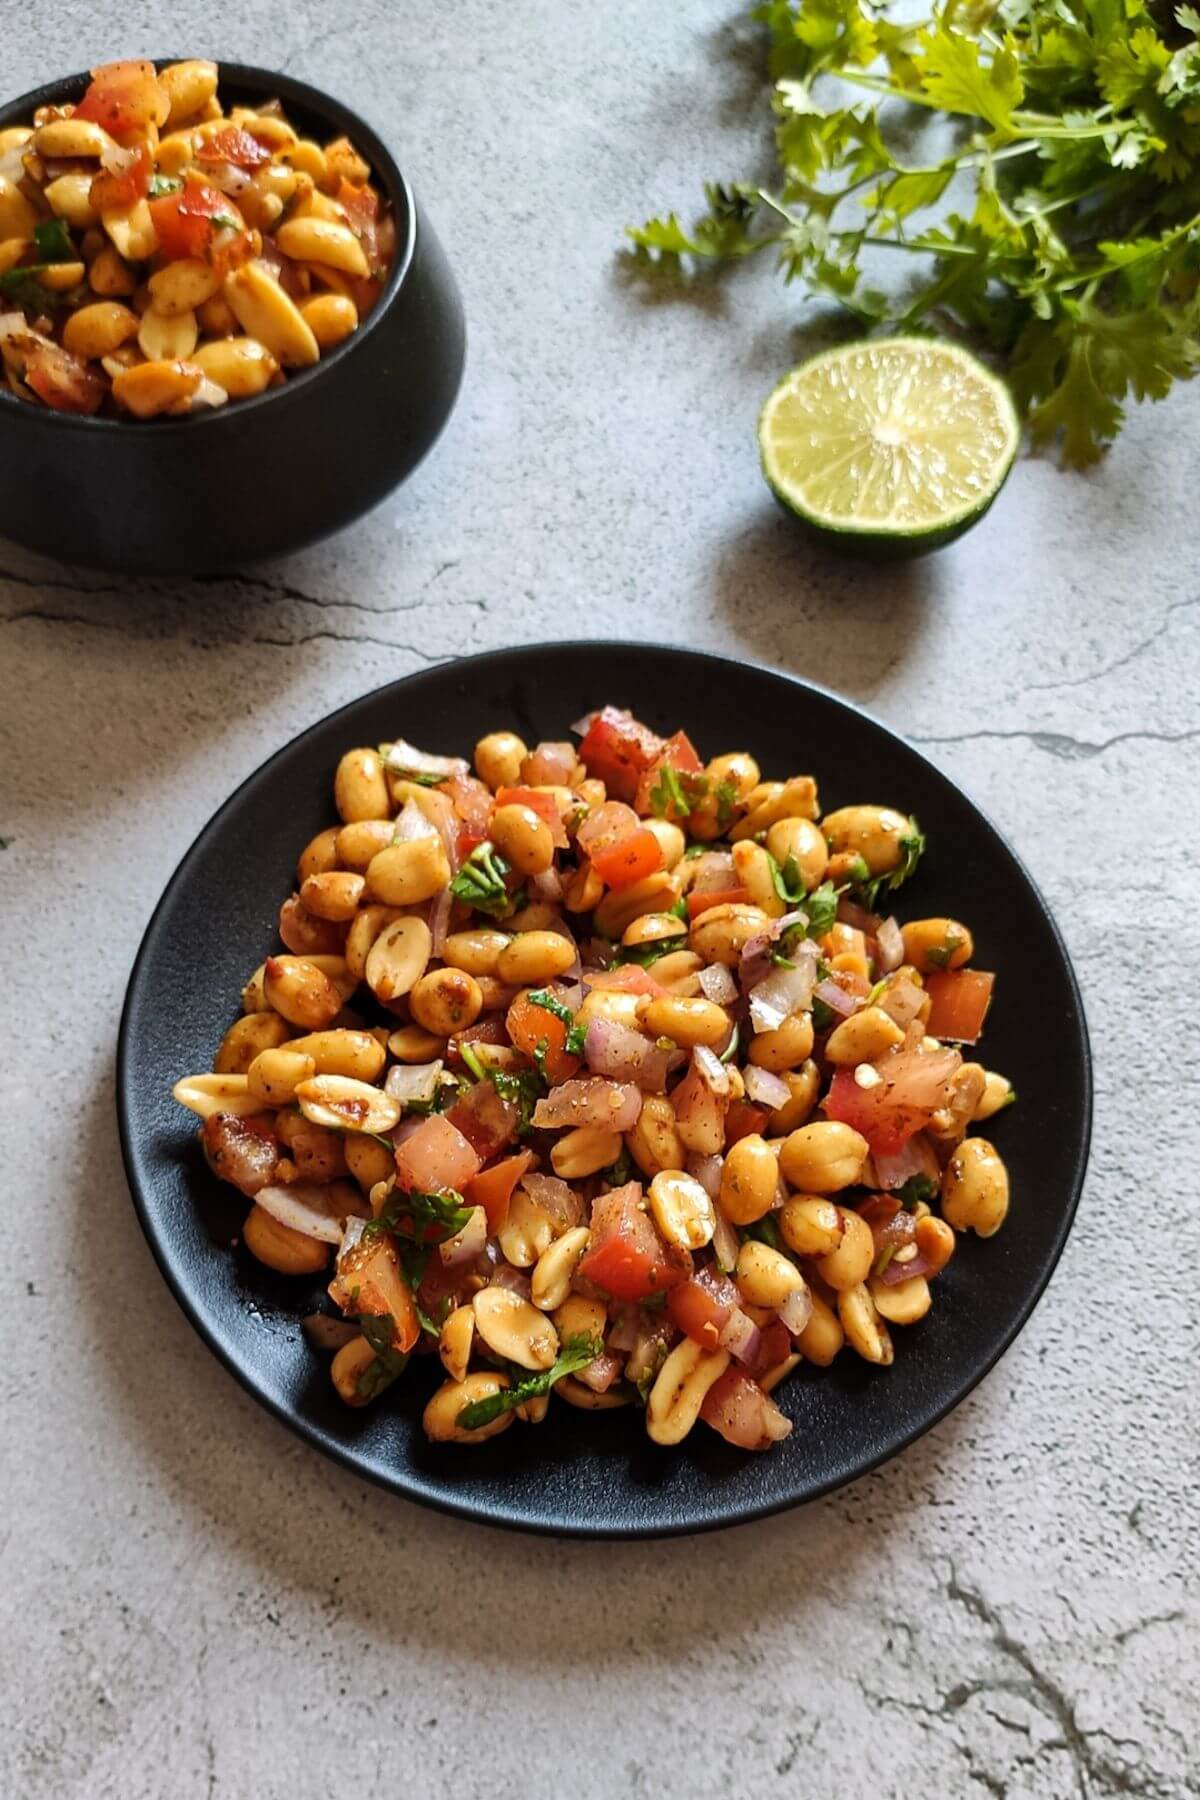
point(775, 1346)
point(493, 1188)
point(472, 801)
point(606, 826)
point(737, 1408)
point(437, 1156)
point(627, 1257)
point(361, 206)
point(370, 1282)
point(468, 841)
point(678, 753)
point(911, 1091)
point(124, 97)
point(62, 380)
point(631, 860)
point(233, 145)
point(629, 979)
point(698, 903)
point(618, 751)
point(960, 998)
point(124, 187)
point(486, 1119)
point(743, 1119)
point(184, 220)
point(701, 1307)
point(544, 805)
point(530, 1025)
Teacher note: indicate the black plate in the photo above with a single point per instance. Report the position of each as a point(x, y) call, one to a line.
point(596, 1474)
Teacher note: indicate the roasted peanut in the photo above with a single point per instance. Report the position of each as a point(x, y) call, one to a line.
point(584, 1151)
point(785, 1048)
point(349, 1367)
point(514, 1328)
point(679, 1389)
point(274, 1075)
point(551, 1280)
point(873, 832)
point(654, 1143)
point(811, 1225)
point(823, 1158)
point(359, 788)
point(864, 1328)
point(686, 1022)
point(455, 1341)
point(849, 1263)
point(682, 1210)
point(863, 1037)
point(445, 1000)
point(340, 1103)
point(301, 992)
point(405, 874)
point(903, 1302)
point(533, 957)
point(975, 1188)
point(334, 895)
point(440, 1418)
point(475, 950)
point(997, 1094)
point(799, 841)
point(206, 1095)
point(720, 933)
point(246, 1038)
point(279, 1247)
point(936, 944)
point(749, 1180)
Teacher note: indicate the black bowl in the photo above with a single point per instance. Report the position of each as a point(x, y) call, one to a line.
point(215, 490)
point(597, 1474)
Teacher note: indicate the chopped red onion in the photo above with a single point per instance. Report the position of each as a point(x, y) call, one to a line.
point(796, 1310)
point(405, 759)
point(581, 727)
point(891, 946)
point(741, 1337)
point(608, 1105)
point(717, 984)
point(468, 1243)
point(547, 886)
point(625, 1055)
point(713, 872)
point(411, 823)
point(784, 992)
point(626, 1331)
point(303, 1207)
point(915, 1158)
point(324, 1332)
point(837, 999)
point(409, 1082)
point(707, 1171)
point(725, 1243)
point(601, 1372)
point(227, 177)
point(556, 1199)
point(902, 1002)
point(711, 1070)
point(765, 1089)
point(516, 1280)
point(439, 920)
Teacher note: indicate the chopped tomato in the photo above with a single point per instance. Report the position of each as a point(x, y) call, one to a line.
point(472, 801)
point(124, 97)
point(437, 1156)
point(618, 751)
point(544, 805)
point(62, 380)
point(486, 1119)
point(233, 145)
point(493, 1188)
point(488, 1031)
point(702, 1307)
point(627, 1257)
point(742, 1413)
point(468, 841)
point(678, 753)
point(698, 903)
point(606, 826)
point(630, 979)
point(961, 998)
point(361, 206)
point(530, 1025)
point(743, 1119)
point(112, 190)
point(550, 764)
point(369, 1282)
point(631, 860)
point(912, 1088)
point(184, 220)
point(776, 1345)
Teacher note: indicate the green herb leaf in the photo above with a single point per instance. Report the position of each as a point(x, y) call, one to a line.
point(379, 1330)
point(523, 1089)
point(912, 846)
point(727, 794)
point(645, 954)
point(161, 184)
point(763, 1231)
point(415, 1215)
point(576, 1353)
point(621, 1171)
point(480, 881)
point(917, 1187)
point(552, 1004)
point(53, 241)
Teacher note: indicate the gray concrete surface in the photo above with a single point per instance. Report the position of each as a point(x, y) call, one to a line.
point(193, 1603)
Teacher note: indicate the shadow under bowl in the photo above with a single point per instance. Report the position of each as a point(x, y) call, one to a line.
point(211, 491)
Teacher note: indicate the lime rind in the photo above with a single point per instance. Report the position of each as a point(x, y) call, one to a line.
point(889, 445)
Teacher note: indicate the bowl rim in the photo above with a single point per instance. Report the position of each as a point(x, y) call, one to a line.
point(272, 82)
point(404, 1485)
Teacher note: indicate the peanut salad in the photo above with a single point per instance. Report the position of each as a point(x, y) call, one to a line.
point(159, 255)
point(605, 1073)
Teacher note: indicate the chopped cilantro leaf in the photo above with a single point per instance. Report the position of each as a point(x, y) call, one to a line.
point(912, 846)
point(161, 184)
point(667, 794)
point(522, 1089)
point(763, 1231)
point(53, 241)
point(552, 1004)
point(415, 1215)
point(576, 1353)
point(621, 1171)
point(480, 881)
point(645, 954)
point(379, 1329)
point(917, 1187)
point(727, 796)
point(471, 1059)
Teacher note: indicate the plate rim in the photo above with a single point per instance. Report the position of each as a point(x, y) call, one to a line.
point(402, 1482)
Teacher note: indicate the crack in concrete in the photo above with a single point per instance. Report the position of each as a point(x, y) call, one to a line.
point(1060, 744)
point(1094, 1772)
point(1122, 662)
point(1163, 1618)
point(42, 615)
point(276, 590)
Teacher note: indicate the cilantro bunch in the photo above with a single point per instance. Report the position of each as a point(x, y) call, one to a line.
point(1061, 225)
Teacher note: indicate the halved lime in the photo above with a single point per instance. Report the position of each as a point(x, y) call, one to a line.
point(891, 446)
